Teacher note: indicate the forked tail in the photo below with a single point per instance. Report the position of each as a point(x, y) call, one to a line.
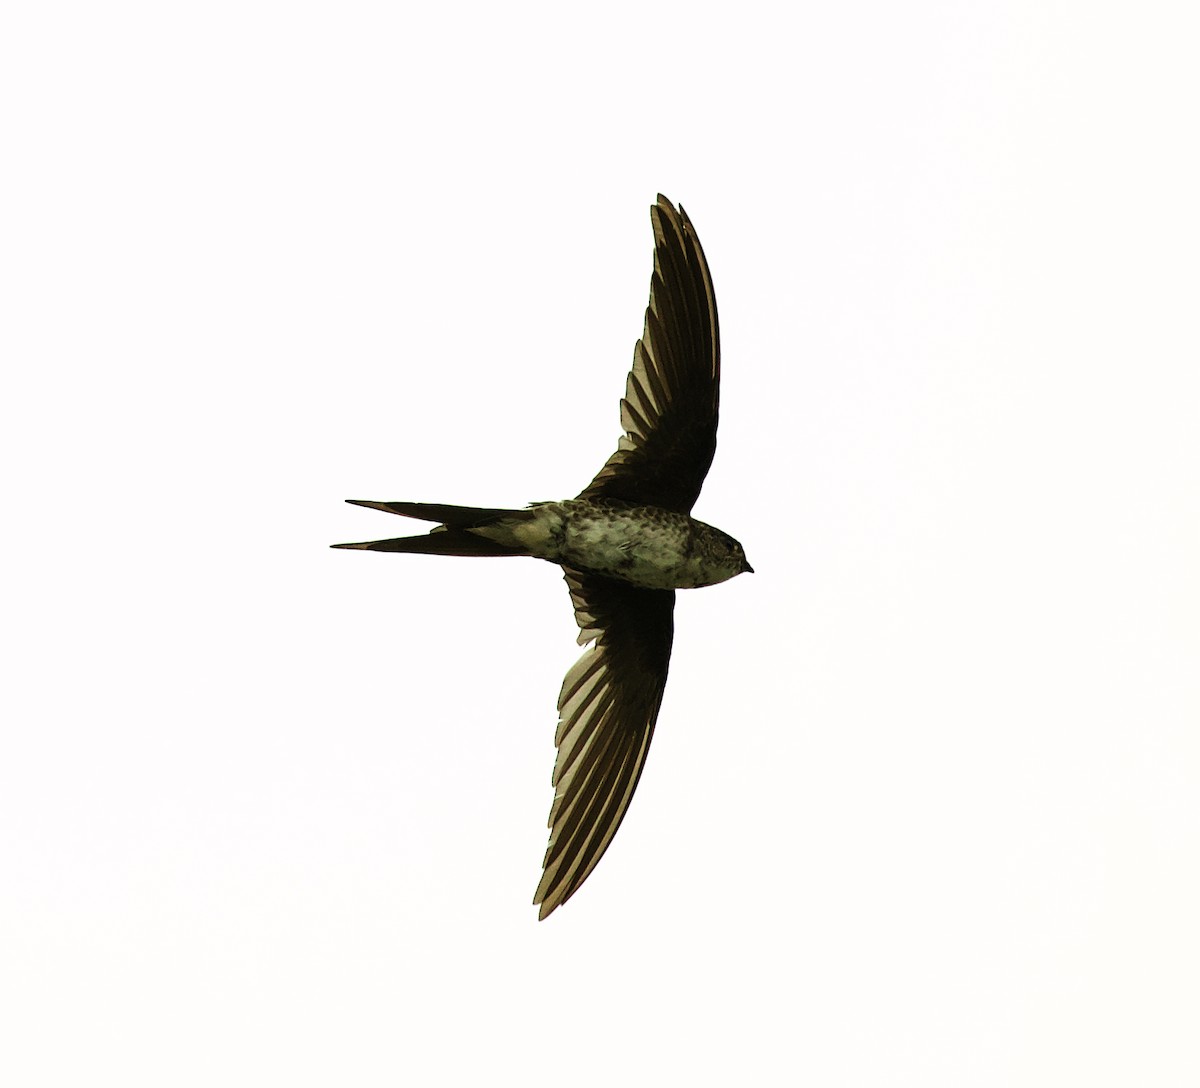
point(451, 537)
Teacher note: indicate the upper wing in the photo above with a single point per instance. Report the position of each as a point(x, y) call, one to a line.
point(669, 411)
point(607, 710)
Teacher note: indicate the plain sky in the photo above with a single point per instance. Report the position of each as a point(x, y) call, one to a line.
point(923, 806)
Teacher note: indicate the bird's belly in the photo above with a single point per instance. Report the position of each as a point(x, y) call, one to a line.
point(643, 546)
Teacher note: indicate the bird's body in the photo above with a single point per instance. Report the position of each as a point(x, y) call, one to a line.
point(625, 544)
point(642, 545)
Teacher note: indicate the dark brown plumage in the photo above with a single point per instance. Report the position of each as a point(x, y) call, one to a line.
point(624, 545)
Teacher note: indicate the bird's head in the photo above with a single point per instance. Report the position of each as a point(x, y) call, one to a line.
point(720, 556)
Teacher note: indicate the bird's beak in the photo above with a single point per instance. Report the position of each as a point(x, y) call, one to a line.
point(747, 569)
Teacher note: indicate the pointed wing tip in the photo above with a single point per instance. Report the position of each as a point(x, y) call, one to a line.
point(665, 206)
point(354, 547)
point(547, 901)
point(551, 893)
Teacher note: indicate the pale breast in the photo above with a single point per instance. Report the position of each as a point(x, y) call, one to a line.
point(643, 545)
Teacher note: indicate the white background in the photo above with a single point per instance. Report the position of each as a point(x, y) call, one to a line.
point(922, 805)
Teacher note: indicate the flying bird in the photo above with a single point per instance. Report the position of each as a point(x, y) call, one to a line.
point(625, 544)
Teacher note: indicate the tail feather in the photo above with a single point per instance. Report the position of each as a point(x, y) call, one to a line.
point(453, 517)
point(450, 537)
point(445, 542)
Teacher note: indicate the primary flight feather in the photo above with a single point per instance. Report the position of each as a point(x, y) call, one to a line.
point(625, 544)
